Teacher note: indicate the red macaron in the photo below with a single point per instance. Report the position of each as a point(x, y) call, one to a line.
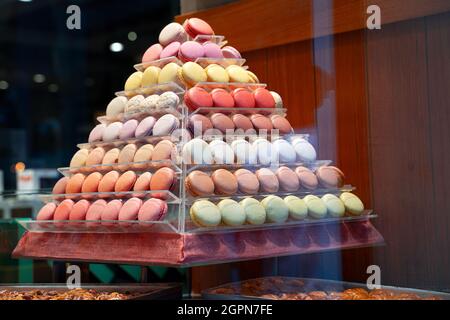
point(222, 98)
point(196, 26)
point(263, 98)
point(196, 98)
point(243, 98)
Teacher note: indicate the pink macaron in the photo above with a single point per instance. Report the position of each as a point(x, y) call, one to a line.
point(79, 210)
point(190, 51)
point(94, 212)
point(231, 53)
point(222, 122)
point(111, 211)
point(145, 127)
point(108, 182)
point(173, 32)
point(62, 212)
point(125, 182)
point(153, 210)
point(46, 212)
point(152, 53)
point(212, 50)
point(222, 98)
point(97, 133)
point(242, 122)
point(196, 26)
point(60, 186)
point(142, 184)
point(130, 209)
point(128, 129)
point(171, 50)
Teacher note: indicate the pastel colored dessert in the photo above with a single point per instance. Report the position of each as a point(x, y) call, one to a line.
point(165, 125)
point(172, 50)
point(94, 213)
point(216, 73)
point(197, 151)
point(225, 182)
point(268, 181)
point(134, 104)
point(237, 74)
point(134, 81)
point(111, 211)
point(276, 209)
point(254, 211)
point(152, 53)
point(335, 206)
point(91, 182)
point(125, 182)
point(199, 184)
point(163, 150)
point(252, 77)
point(284, 151)
point(97, 133)
point(316, 207)
point(79, 210)
point(244, 152)
point(305, 151)
point(231, 53)
point(62, 212)
point(75, 183)
point(281, 124)
point(150, 76)
point(330, 177)
point(95, 157)
point(126, 156)
point(307, 178)
point(128, 129)
point(111, 157)
point(243, 98)
point(162, 179)
point(47, 212)
point(153, 210)
point(261, 122)
point(222, 98)
point(60, 186)
point(190, 51)
point(116, 106)
point(232, 212)
point(142, 183)
point(221, 152)
point(169, 73)
point(248, 182)
point(196, 26)
point(196, 98)
point(204, 213)
point(191, 73)
point(222, 122)
point(130, 209)
point(297, 207)
point(263, 98)
point(199, 123)
point(352, 203)
point(149, 103)
point(145, 127)
point(173, 32)
point(277, 99)
point(108, 182)
point(112, 131)
point(212, 50)
point(288, 179)
point(167, 99)
point(143, 154)
point(79, 158)
point(242, 122)
point(264, 151)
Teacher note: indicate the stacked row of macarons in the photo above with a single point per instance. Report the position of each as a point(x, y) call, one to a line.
point(264, 180)
point(152, 209)
point(273, 209)
point(114, 181)
point(261, 151)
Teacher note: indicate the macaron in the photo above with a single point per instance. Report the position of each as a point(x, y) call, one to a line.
point(152, 53)
point(112, 131)
point(242, 122)
point(108, 182)
point(196, 26)
point(276, 209)
point(165, 125)
point(263, 98)
point(225, 182)
point(297, 207)
point(79, 210)
point(352, 203)
point(62, 212)
point(284, 151)
point(116, 106)
point(252, 77)
point(150, 76)
point(47, 212)
point(142, 183)
point(144, 128)
point(232, 212)
point(171, 50)
point(153, 210)
point(125, 182)
point(330, 177)
point(143, 154)
point(268, 181)
point(111, 211)
point(199, 123)
point(244, 152)
point(316, 207)
point(173, 32)
point(277, 99)
point(134, 81)
point(111, 157)
point(128, 129)
point(243, 98)
point(305, 150)
point(212, 50)
point(261, 122)
point(308, 180)
point(75, 183)
point(335, 206)
point(126, 156)
point(264, 151)
point(248, 182)
point(169, 73)
point(199, 184)
point(94, 213)
point(97, 133)
point(287, 179)
point(204, 213)
point(91, 182)
point(197, 151)
point(95, 157)
point(79, 158)
point(149, 103)
point(60, 186)
point(230, 52)
point(216, 73)
point(196, 98)
point(191, 73)
point(166, 100)
point(162, 179)
point(221, 152)
point(222, 98)
point(130, 209)
point(222, 122)
point(134, 104)
point(163, 150)
point(254, 211)
point(237, 74)
point(190, 51)
point(281, 124)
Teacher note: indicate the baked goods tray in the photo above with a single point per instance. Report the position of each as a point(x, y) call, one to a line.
point(134, 291)
point(289, 288)
point(154, 89)
point(144, 112)
point(245, 111)
point(209, 86)
point(121, 142)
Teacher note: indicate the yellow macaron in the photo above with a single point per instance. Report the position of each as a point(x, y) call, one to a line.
point(169, 73)
point(216, 73)
point(150, 76)
point(237, 74)
point(192, 73)
point(134, 81)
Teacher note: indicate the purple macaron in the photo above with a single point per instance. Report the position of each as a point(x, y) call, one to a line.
point(128, 129)
point(190, 50)
point(97, 133)
point(171, 50)
point(230, 52)
point(145, 127)
point(212, 50)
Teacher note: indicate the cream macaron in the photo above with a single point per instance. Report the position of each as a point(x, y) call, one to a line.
point(204, 213)
point(352, 203)
point(316, 207)
point(232, 212)
point(335, 206)
point(254, 211)
point(276, 209)
point(297, 207)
